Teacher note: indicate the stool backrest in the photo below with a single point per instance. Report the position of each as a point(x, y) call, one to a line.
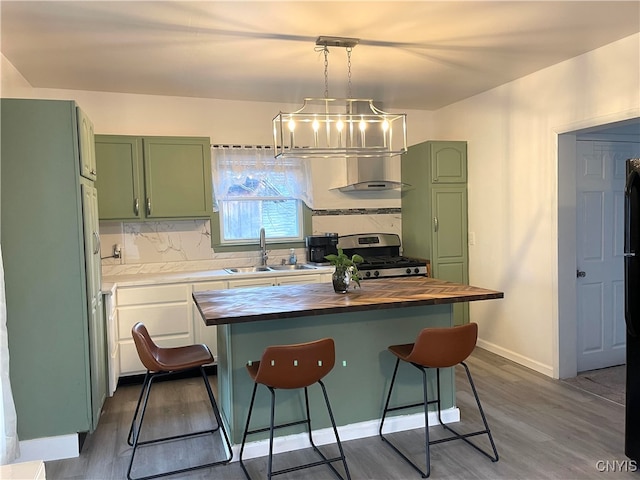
point(444, 347)
point(146, 347)
point(296, 366)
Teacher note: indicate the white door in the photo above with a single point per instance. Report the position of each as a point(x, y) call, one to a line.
point(600, 178)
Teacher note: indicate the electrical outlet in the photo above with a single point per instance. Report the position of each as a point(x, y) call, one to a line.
point(117, 251)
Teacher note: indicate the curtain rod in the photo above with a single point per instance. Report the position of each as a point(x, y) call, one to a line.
point(248, 147)
point(220, 145)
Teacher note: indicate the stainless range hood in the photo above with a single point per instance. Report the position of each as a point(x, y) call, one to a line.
point(367, 175)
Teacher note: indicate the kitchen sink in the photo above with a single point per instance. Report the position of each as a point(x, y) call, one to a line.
point(270, 268)
point(292, 267)
point(247, 269)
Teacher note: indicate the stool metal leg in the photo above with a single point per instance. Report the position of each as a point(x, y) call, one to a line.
point(428, 442)
point(247, 431)
point(216, 413)
point(133, 439)
point(335, 432)
point(424, 403)
point(307, 421)
point(465, 436)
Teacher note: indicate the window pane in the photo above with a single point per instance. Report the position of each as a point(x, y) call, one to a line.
point(242, 219)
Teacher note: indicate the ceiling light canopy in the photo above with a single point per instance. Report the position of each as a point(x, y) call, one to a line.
point(339, 127)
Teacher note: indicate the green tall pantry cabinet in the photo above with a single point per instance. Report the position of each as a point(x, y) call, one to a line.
point(51, 252)
point(434, 211)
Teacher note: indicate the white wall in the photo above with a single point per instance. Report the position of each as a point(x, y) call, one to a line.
point(513, 188)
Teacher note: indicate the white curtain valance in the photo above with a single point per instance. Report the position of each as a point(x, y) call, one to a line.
point(252, 172)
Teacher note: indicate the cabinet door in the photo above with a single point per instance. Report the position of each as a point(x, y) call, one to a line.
point(86, 145)
point(449, 240)
point(177, 177)
point(119, 160)
point(448, 162)
point(91, 238)
point(416, 232)
point(252, 282)
point(298, 279)
point(97, 334)
point(98, 359)
point(165, 311)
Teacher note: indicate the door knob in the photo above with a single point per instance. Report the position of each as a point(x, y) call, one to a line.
point(581, 274)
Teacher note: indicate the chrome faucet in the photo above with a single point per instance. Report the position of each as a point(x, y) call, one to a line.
point(263, 248)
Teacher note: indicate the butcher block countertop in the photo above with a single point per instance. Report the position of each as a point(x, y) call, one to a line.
point(287, 301)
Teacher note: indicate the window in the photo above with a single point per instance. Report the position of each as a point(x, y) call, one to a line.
point(253, 190)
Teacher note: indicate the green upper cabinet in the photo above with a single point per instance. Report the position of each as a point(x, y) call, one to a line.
point(119, 190)
point(88, 168)
point(448, 162)
point(177, 177)
point(434, 211)
point(146, 178)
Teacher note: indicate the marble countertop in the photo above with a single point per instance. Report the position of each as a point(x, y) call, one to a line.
point(140, 279)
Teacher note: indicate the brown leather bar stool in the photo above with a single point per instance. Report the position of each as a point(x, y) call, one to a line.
point(291, 367)
point(162, 362)
point(438, 348)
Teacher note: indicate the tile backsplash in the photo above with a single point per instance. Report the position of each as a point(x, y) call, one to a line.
point(185, 245)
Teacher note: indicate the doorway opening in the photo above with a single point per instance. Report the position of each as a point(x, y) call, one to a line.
point(584, 333)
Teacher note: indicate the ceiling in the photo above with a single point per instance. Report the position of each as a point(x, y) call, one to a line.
point(411, 55)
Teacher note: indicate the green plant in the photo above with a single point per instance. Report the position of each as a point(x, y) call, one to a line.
point(343, 263)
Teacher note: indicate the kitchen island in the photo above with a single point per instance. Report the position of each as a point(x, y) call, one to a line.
point(363, 324)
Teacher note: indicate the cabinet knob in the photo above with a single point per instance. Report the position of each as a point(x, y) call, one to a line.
point(581, 274)
point(148, 206)
point(435, 224)
point(136, 207)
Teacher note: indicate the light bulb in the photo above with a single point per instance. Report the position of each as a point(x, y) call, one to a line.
point(339, 125)
point(315, 125)
point(363, 125)
point(385, 126)
point(292, 125)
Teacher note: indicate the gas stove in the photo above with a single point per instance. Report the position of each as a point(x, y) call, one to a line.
point(381, 254)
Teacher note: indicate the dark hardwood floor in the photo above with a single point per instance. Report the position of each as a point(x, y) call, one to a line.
point(543, 428)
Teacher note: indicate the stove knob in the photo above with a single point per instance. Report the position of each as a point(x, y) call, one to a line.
point(376, 273)
point(408, 271)
point(416, 270)
point(367, 274)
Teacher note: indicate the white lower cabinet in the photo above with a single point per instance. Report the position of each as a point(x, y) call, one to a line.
point(166, 312)
point(172, 318)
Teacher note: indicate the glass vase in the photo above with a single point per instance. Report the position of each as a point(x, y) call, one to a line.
point(341, 279)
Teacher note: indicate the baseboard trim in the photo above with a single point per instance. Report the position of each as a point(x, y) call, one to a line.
point(49, 448)
point(516, 357)
point(352, 431)
point(68, 446)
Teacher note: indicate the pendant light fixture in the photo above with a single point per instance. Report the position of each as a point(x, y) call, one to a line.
point(339, 127)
